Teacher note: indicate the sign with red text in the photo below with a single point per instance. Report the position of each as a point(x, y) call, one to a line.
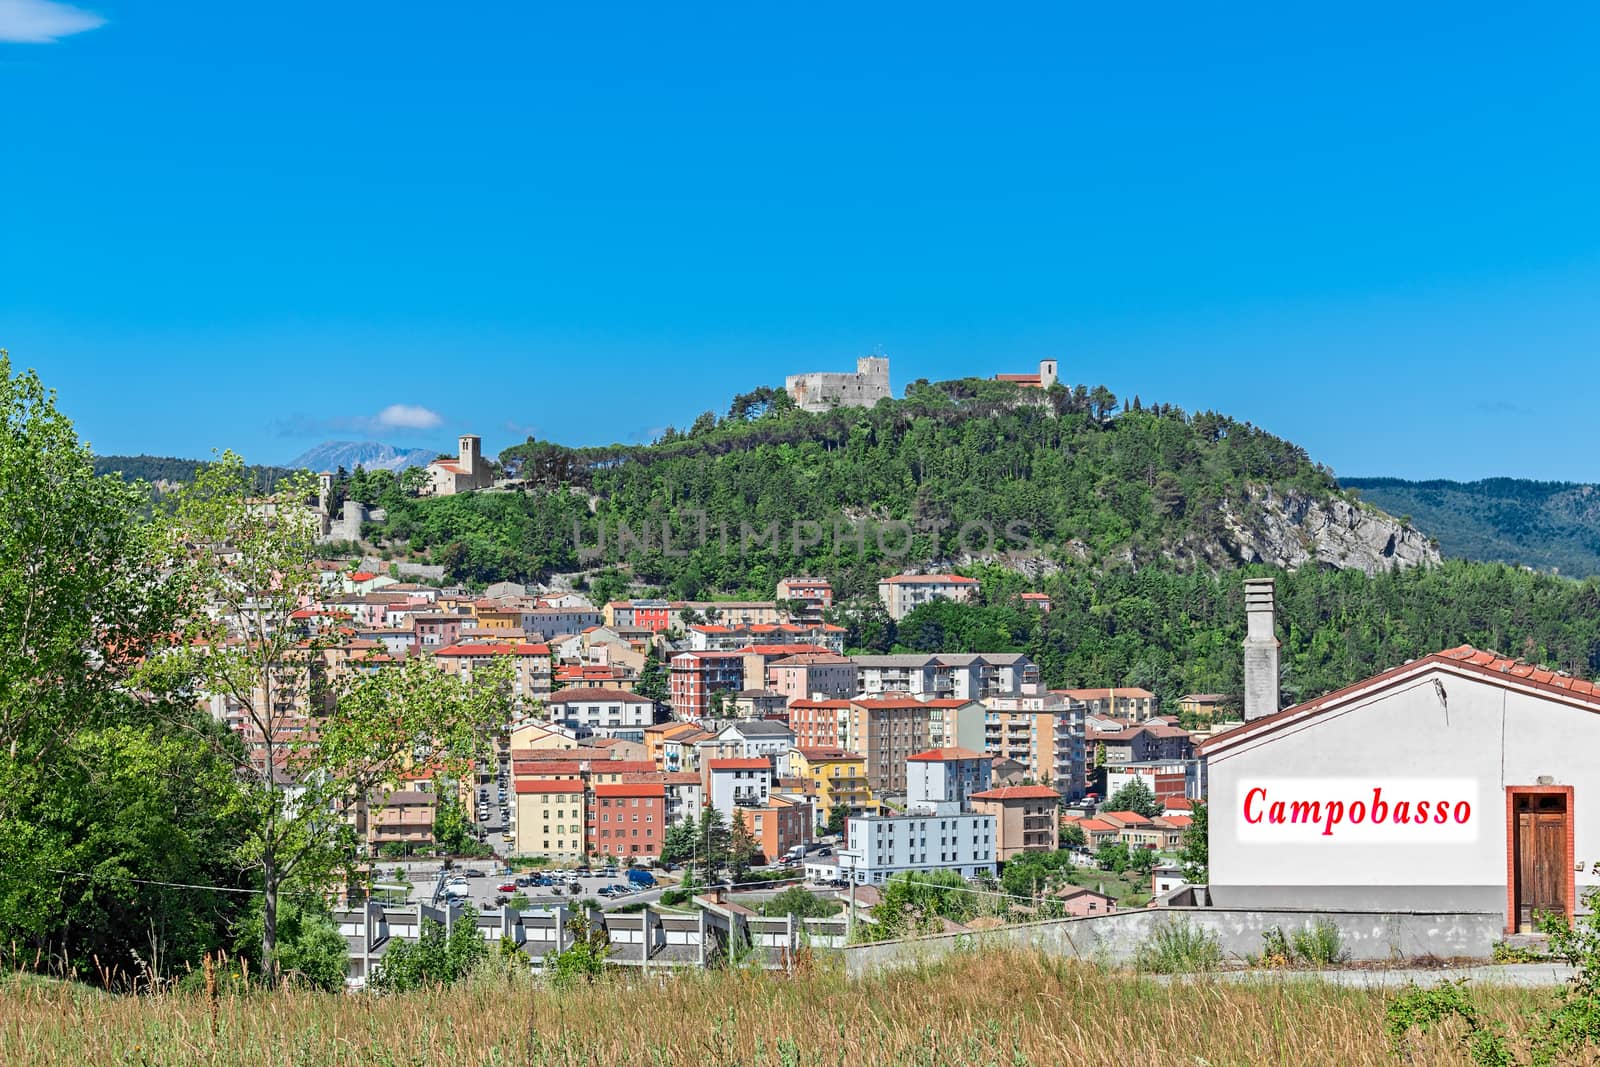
point(1358, 810)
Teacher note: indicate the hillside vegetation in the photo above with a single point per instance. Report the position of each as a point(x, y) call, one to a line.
point(1042, 479)
point(980, 1008)
point(1548, 525)
point(167, 470)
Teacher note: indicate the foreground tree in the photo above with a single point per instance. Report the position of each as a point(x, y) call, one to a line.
point(1137, 797)
point(99, 800)
point(322, 736)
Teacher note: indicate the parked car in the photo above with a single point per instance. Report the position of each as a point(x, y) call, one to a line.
point(641, 878)
point(506, 887)
point(473, 872)
point(824, 851)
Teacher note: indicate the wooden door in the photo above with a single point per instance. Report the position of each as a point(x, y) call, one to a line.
point(1541, 852)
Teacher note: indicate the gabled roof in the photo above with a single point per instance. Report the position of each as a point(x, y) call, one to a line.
point(1017, 792)
point(1463, 661)
point(546, 785)
point(923, 579)
point(739, 765)
point(940, 755)
point(631, 789)
point(591, 694)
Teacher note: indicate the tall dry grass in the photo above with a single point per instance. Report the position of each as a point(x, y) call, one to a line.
point(1001, 1008)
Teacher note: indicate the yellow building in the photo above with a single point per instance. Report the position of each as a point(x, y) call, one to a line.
point(550, 818)
point(840, 777)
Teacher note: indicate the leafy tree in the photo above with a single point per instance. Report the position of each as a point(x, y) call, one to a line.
point(452, 832)
point(678, 845)
point(437, 958)
point(913, 902)
point(584, 961)
point(1032, 873)
point(743, 850)
point(838, 818)
point(1142, 860)
point(711, 842)
point(800, 903)
point(1072, 836)
point(100, 785)
point(311, 950)
point(1137, 797)
point(1194, 850)
point(247, 565)
point(1112, 856)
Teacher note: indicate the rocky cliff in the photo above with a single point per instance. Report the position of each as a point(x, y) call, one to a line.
point(1291, 530)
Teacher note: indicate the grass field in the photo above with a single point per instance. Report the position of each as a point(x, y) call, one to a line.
point(1004, 1008)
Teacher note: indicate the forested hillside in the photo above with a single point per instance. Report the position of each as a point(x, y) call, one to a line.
point(171, 471)
point(1548, 525)
point(1176, 633)
point(977, 470)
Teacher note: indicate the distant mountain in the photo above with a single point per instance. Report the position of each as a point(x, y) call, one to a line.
point(1546, 525)
point(331, 455)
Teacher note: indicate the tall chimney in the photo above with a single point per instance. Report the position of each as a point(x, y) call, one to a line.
point(1260, 650)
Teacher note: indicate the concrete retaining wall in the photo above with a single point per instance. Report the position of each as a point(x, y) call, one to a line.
point(1114, 939)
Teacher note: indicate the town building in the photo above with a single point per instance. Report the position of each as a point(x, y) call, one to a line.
point(839, 778)
point(694, 678)
point(1127, 703)
point(809, 598)
point(1043, 380)
point(903, 593)
point(466, 472)
point(935, 833)
point(785, 821)
point(812, 675)
point(1167, 779)
point(549, 817)
point(1043, 733)
point(819, 391)
point(1483, 795)
point(530, 663)
point(627, 820)
point(1027, 818)
point(760, 704)
point(748, 739)
point(943, 779)
point(731, 783)
point(887, 730)
point(606, 712)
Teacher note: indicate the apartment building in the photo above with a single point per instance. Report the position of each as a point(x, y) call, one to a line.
point(627, 820)
point(695, 676)
point(811, 675)
point(903, 593)
point(1044, 734)
point(530, 663)
point(819, 723)
point(937, 832)
point(808, 597)
point(550, 817)
point(608, 712)
point(783, 822)
point(838, 777)
point(887, 731)
point(1027, 818)
point(1127, 703)
point(732, 783)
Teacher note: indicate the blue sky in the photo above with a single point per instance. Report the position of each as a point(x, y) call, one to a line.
point(1372, 229)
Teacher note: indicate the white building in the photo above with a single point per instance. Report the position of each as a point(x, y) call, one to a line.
point(731, 783)
point(1459, 782)
point(904, 592)
point(941, 779)
point(604, 711)
point(465, 473)
point(937, 833)
point(755, 738)
point(883, 846)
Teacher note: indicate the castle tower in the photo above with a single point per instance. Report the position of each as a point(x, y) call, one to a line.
point(471, 450)
point(1047, 373)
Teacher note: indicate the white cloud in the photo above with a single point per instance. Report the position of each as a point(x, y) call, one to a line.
point(43, 21)
point(408, 417)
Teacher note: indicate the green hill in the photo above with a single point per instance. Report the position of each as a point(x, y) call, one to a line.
point(1547, 525)
point(169, 470)
point(955, 473)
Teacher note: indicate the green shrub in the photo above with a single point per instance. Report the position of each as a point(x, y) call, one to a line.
point(1179, 948)
point(1319, 943)
point(674, 897)
point(1275, 949)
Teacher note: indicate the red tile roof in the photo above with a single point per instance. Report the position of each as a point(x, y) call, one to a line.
point(825, 755)
point(1017, 792)
point(547, 785)
point(631, 789)
point(923, 579)
point(1463, 659)
point(519, 648)
point(939, 755)
point(1127, 818)
point(834, 704)
point(739, 765)
point(362, 576)
point(589, 695)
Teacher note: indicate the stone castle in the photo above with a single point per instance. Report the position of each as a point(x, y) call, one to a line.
point(825, 390)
